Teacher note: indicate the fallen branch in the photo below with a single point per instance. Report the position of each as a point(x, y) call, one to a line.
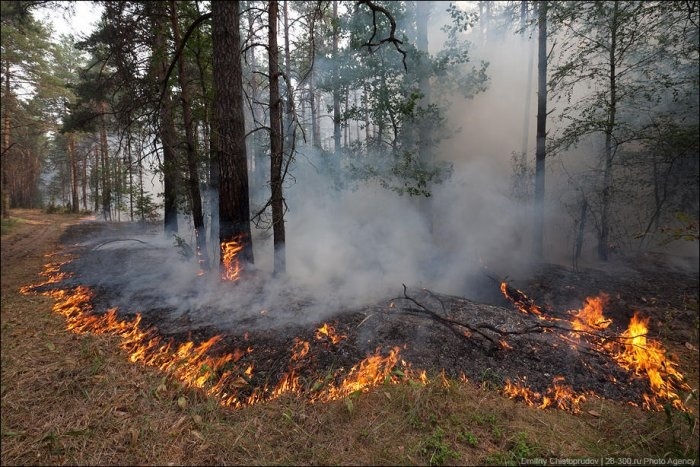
point(119, 240)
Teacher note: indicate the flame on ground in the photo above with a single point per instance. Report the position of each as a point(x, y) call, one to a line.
point(590, 317)
point(647, 356)
point(558, 395)
point(223, 375)
point(328, 332)
point(520, 300)
point(631, 350)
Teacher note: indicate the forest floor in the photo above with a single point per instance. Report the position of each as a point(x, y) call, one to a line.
point(71, 398)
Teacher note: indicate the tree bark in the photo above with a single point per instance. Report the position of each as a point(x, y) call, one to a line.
point(234, 204)
point(193, 179)
point(336, 85)
point(606, 198)
point(106, 175)
point(424, 127)
point(538, 230)
point(6, 144)
point(166, 132)
point(75, 201)
point(276, 154)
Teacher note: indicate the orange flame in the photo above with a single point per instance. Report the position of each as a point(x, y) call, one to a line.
point(647, 356)
point(328, 331)
point(557, 395)
point(370, 372)
point(229, 255)
point(590, 317)
point(520, 300)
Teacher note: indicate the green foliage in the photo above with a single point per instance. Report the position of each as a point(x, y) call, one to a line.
point(396, 103)
point(146, 208)
point(688, 230)
point(436, 449)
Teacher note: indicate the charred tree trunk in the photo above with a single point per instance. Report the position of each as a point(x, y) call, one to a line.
point(193, 172)
point(538, 231)
point(276, 154)
point(234, 204)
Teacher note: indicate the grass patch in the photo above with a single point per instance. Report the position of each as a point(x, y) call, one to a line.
point(6, 225)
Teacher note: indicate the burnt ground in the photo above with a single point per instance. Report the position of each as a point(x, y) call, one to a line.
point(108, 257)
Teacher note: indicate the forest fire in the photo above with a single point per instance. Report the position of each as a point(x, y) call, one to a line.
point(520, 300)
point(229, 255)
point(328, 332)
point(631, 350)
point(590, 317)
point(223, 375)
point(239, 377)
point(557, 395)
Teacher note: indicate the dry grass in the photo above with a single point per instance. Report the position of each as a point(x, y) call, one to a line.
point(76, 399)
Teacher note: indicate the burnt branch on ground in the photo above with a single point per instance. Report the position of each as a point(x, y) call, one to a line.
point(534, 328)
point(476, 328)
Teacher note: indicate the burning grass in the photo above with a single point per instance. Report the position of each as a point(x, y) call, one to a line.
point(73, 398)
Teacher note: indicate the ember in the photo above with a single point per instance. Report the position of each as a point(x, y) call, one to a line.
point(328, 332)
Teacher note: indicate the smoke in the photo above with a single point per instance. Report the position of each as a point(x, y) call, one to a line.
point(352, 246)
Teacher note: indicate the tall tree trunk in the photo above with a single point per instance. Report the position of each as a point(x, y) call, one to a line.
point(606, 199)
point(166, 131)
point(96, 171)
point(538, 230)
point(336, 84)
point(75, 201)
point(191, 145)
point(234, 204)
point(315, 127)
point(578, 245)
point(276, 155)
point(85, 181)
point(259, 154)
point(6, 144)
point(131, 175)
point(106, 166)
point(424, 127)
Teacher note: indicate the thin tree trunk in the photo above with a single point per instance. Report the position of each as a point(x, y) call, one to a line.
point(75, 201)
point(106, 167)
point(336, 85)
point(234, 204)
point(6, 144)
point(193, 179)
point(424, 127)
point(606, 199)
point(538, 231)
point(579, 236)
point(85, 181)
point(166, 132)
point(276, 155)
point(96, 171)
